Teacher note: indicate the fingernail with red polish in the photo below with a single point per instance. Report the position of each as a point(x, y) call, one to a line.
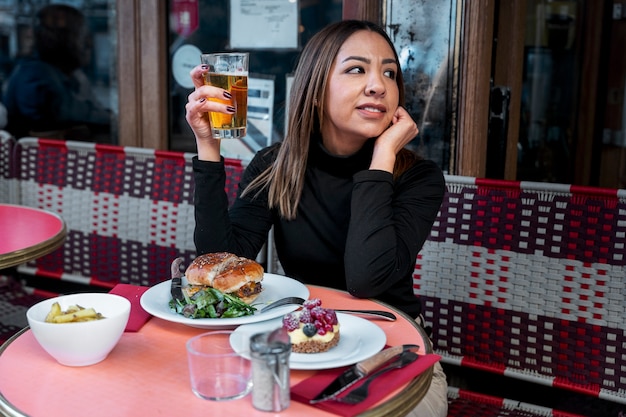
point(204, 66)
point(227, 95)
point(230, 109)
point(202, 100)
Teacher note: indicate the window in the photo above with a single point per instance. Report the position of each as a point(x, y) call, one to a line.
point(68, 48)
point(269, 70)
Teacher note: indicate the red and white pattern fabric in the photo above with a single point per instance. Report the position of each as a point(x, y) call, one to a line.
point(7, 180)
point(129, 211)
point(528, 280)
point(463, 403)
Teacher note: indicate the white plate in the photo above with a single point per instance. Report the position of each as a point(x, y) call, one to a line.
point(156, 302)
point(359, 340)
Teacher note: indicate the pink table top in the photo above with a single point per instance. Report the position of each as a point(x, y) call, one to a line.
point(28, 233)
point(146, 374)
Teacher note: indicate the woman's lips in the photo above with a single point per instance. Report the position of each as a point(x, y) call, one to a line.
point(372, 111)
point(372, 108)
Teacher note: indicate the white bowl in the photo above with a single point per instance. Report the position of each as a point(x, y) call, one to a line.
point(80, 343)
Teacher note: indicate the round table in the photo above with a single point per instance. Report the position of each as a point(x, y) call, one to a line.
point(28, 233)
point(146, 374)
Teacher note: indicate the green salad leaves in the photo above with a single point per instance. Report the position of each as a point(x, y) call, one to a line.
point(211, 303)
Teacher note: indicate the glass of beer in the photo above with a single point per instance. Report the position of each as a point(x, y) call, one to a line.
point(228, 70)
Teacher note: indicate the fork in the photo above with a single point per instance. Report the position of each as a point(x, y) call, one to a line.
point(299, 301)
point(282, 302)
point(360, 393)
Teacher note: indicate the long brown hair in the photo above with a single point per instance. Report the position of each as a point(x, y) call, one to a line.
point(285, 178)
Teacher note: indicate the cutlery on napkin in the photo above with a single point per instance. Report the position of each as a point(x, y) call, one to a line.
point(381, 387)
point(138, 316)
point(360, 370)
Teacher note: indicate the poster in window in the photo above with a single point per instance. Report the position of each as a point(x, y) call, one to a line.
point(264, 24)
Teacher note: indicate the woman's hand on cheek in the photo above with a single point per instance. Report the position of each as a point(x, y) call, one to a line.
point(402, 130)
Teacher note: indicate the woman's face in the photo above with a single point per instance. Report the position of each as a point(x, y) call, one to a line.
point(361, 94)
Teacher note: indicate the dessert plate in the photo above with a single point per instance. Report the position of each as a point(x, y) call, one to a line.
point(156, 302)
point(360, 339)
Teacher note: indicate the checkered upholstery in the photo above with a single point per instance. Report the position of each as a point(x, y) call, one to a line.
point(471, 404)
point(129, 211)
point(528, 280)
point(7, 180)
point(523, 279)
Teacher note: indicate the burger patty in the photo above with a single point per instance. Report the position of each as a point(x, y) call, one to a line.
point(249, 289)
point(245, 291)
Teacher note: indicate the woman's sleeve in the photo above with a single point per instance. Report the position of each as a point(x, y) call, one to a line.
point(243, 228)
point(389, 225)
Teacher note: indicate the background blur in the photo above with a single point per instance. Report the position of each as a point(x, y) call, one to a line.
point(515, 89)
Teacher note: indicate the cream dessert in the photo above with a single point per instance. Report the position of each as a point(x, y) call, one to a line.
point(312, 329)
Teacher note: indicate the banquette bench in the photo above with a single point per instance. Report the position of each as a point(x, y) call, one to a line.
point(528, 281)
point(521, 280)
point(129, 211)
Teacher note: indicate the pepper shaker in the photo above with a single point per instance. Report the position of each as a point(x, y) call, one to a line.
point(269, 353)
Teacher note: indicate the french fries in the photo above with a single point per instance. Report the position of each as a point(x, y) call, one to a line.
point(74, 313)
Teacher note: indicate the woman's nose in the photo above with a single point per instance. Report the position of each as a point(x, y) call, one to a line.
point(375, 86)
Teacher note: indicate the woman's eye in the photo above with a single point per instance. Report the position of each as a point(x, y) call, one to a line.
point(360, 70)
point(355, 70)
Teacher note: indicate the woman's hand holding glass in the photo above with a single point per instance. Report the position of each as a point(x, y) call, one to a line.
point(197, 109)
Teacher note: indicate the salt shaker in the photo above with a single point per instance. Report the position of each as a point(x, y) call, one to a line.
point(270, 370)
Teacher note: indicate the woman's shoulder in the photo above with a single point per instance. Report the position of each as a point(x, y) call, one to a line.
point(410, 161)
point(423, 171)
point(259, 167)
point(265, 156)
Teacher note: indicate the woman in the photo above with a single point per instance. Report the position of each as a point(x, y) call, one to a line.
point(350, 206)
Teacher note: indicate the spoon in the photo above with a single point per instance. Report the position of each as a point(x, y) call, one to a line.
point(299, 301)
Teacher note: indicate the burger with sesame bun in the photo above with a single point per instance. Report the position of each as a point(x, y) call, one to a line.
point(225, 272)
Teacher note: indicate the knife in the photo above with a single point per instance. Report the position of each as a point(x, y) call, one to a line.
point(177, 280)
point(359, 371)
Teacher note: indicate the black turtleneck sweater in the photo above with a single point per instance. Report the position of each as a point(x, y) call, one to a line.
point(356, 229)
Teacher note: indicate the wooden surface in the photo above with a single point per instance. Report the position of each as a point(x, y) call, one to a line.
point(471, 152)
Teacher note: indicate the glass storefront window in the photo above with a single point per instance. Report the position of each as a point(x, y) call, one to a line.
point(425, 44)
point(549, 93)
point(425, 35)
point(269, 69)
point(58, 69)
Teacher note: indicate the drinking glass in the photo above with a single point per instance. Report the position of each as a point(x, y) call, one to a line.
point(228, 70)
point(217, 372)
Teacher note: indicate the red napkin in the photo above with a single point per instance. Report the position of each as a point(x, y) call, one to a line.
point(138, 316)
point(379, 388)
